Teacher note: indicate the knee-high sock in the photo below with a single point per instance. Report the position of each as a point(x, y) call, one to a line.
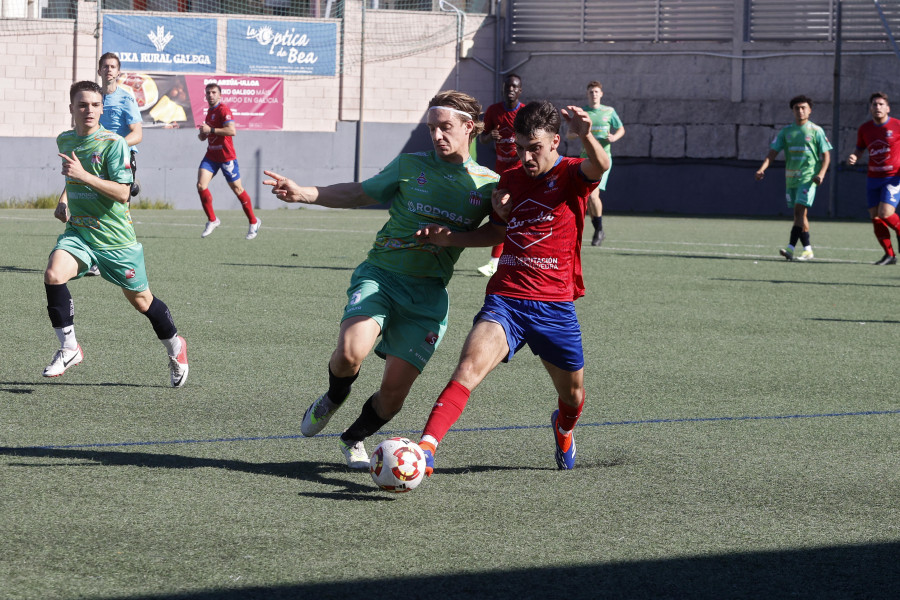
point(568, 415)
point(161, 319)
point(366, 424)
point(883, 235)
point(893, 222)
point(339, 387)
point(247, 205)
point(447, 410)
point(206, 201)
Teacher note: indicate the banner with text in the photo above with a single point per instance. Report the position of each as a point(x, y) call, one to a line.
point(173, 44)
point(179, 101)
point(282, 47)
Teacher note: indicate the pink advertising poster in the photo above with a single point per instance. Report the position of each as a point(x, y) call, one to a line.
point(173, 101)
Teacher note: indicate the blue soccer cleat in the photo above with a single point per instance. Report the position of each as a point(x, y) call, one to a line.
point(565, 445)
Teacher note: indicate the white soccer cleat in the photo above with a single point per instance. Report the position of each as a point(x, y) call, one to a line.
point(356, 455)
point(94, 271)
point(317, 415)
point(805, 255)
point(62, 360)
point(210, 227)
point(178, 366)
point(254, 229)
point(487, 270)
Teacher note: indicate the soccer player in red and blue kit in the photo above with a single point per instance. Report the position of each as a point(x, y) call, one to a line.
point(218, 131)
point(530, 299)
point(881, 138)
point(498, 128)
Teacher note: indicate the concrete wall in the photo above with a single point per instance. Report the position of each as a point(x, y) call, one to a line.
point(701, 114)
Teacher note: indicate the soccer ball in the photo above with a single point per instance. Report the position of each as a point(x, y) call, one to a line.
point(397, 465)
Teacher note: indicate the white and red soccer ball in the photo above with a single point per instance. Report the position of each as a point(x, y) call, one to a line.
point(397, 465)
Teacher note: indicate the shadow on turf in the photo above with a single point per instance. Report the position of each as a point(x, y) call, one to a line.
point(315, 472)
point(789, 282)
point(880, 321)
point(12, 269)
point(351, 269)
point(56, 381)
point(845, 572)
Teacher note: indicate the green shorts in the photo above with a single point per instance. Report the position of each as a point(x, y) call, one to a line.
point(802, 195)
point(412, 311)
point(122, 266)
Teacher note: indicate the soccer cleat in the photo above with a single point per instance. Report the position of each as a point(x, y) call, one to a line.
point(210, 226)
point(254, 229)
point(135, 187)
point(93, 271)
point(178, 366)
point(356, 455)
point(598, 238)
point(317, 415)
point(887, 259)
point(428, 450)
point(62, 360)
point(487, 270)
point(565, 446)
point(806, 255)
point(787, 253)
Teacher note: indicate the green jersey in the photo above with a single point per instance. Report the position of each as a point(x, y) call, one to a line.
point(100, 221)
point(603, 120)
point(420, 189)
point(803, 147)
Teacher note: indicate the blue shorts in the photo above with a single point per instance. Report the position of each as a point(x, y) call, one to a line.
point(230, 169)
point(882, 189)
point(550, 329)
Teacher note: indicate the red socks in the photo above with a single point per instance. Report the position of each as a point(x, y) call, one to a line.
point(568, 415)
point(247, 205)
point(446, 410)
point(883, 234)
point(206, 201)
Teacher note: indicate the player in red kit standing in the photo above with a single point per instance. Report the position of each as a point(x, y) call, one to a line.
point(881, 138)
point(530, 299)
point(498, 128)
point(218, 131)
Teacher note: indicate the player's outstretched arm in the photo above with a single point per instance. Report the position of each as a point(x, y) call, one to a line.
point(580, 123)
point(339, 195)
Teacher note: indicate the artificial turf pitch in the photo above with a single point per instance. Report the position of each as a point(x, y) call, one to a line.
point(740, 437)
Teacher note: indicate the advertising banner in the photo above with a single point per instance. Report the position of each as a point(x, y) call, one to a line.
point(282, 47)
point(161, 44)
point(174, 101)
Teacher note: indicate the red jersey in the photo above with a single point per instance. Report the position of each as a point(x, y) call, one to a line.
point(542, 250)
point(497, 115)
point(220, 147)
point(883, 144)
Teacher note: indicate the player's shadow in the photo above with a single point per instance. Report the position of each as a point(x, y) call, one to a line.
point(57, 382)
point(856, 321)
point(794, 282)
point(274, 266)
point(14, 269)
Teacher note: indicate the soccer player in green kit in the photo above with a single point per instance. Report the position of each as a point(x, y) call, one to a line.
point(95, 163)
point(606, 127)
point(806, 156)
point(399, 292)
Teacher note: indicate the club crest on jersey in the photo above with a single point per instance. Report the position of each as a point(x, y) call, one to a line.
point(421, 179)
point(551, 183)
point(96, 159)
point(888, 133)
point(475, 198)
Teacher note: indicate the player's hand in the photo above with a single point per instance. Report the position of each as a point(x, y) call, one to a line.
point(851, 160)
point(579, 122)
point(818, 179)
point(760, 174)
point(72, 168)
point(285, 189)
point(500, 203)
point(434, 234)
point(62, 212)
point(205, 130)
point(495, 133)
point(202, 136)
